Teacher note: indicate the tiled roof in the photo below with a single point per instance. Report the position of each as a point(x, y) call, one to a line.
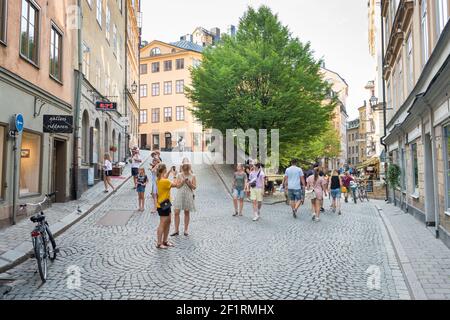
point(187, 45)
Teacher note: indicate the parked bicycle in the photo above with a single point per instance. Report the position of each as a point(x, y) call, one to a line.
point(44, 245)
point(362, 191)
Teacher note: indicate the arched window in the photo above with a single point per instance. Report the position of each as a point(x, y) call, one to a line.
point(106, 139)
point(85, 137)
point(96, 146)
point(155, 52)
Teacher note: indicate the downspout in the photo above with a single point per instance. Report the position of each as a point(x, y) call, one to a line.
point(434, 163)
point(384, 105)
point(77, 104)
point(127, 141)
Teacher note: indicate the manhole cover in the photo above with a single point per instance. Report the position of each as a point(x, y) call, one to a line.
point(116, 218)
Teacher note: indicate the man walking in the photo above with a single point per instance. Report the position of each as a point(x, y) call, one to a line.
point(294, 180)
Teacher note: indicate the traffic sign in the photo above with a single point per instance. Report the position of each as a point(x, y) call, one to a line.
point(17, 123)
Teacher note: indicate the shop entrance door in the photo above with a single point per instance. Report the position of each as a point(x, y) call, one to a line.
point(59, 170)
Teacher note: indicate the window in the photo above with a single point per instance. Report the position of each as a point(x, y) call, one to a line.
point(30, 164)
point(410, 62)
point(86, 60)
point(99, 12)
point(168, 87)
point(168, 65)
point(108, 22)
point(400, 82)
point(143, 116)
point(442, 15)
point(155, 115)
point(155, 67)
point(3, 16)
point(120, 5)
point(155, 52)
point(143, 90)
point(180, 114)
point(180, 64)
point(415, 167)
point(447, 162)
point(424, 30)
point(55, 53)
point(29, 40)
point(2, 151)
point(143, 68)
point(155, 89)
point(180, 86)
point(115, 39)
point(389, 95)
point(168, 114)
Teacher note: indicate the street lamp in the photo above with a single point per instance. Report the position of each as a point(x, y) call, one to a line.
point(373, 102)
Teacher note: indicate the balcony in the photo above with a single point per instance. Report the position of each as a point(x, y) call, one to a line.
point(402, 19)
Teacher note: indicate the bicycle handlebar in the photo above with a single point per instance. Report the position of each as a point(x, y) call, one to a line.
point(46, 198)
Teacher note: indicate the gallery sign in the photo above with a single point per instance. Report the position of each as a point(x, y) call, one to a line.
point(106, 106)
point(58, 124)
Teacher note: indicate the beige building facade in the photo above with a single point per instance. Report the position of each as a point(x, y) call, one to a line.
point(416, 72)
point(36, 80)
point(165, 114)
point(353, 143)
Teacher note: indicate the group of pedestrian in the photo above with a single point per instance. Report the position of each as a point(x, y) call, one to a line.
point(248, 182)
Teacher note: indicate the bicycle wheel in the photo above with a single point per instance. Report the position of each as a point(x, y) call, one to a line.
point(51, 244)
point(41, 257)
point(360, 195)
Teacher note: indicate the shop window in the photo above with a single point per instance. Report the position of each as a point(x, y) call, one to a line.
point(2, 152)
point(30, 164)
point(415, 168)
point(447, 164)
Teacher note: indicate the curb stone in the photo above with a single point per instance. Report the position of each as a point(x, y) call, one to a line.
point(414, 287)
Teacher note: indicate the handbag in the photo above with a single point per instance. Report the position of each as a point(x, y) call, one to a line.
point(310, 194)
point(344, 190)
point(253, 184)
point(165, 205)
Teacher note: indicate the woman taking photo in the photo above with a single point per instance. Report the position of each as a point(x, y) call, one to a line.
point(335, 186)
point(185, 198)
point(164, 206)
point(317, 185)
point(107, 167)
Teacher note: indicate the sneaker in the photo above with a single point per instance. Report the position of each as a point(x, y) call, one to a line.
point(340, 213)
point(295, 215)
point(322, 210)
point(317, 220)
point(255, 219)
point(314, 217)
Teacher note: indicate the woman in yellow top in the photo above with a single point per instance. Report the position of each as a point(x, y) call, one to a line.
point(164, 206)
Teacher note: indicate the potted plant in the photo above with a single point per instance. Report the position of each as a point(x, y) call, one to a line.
point(393, 177)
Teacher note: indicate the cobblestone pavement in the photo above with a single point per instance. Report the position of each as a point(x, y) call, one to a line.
point(429, 257)
point(224, 257)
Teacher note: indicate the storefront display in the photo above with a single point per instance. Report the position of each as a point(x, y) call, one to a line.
point(30, 164)
point(2, 153)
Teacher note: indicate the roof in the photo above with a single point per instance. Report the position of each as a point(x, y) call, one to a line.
point(187, 45)
point(343, 80)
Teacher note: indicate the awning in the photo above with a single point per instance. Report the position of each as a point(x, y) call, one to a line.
point(368, 163)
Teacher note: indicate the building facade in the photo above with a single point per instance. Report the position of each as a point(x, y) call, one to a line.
point(353, 143)
point(165, 114)
point(416, 72)
point(104, 80)
point(339, 90)
point(36, 80)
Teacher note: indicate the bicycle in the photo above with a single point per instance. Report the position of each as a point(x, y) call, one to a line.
point(44, 245)
point(362, 192)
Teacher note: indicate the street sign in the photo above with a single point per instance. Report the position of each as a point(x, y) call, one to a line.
point(17, 123)
point(106, 106)
point(58, 124)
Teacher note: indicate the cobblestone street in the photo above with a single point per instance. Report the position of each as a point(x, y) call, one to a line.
point(224, 257)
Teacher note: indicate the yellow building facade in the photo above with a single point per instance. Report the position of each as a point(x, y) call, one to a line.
point(165, 114)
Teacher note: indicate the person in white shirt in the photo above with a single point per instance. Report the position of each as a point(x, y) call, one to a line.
point(181, 145)
point(107, 167)
point(294, 179)
point(136, 162)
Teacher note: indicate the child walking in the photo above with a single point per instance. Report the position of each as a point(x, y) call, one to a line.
point(141, 183)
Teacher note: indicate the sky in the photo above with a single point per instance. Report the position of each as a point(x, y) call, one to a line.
point(337, 30)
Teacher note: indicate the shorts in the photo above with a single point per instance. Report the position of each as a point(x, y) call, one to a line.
point(134, 172)
point(164, 213)
point(336, 193)
point(140, 188)
point(108, 173)
point(295, 195)
point(256, 194)
point(238, 194)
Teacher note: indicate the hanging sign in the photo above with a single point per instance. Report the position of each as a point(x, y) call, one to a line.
point(58, 124)
point(106, 106)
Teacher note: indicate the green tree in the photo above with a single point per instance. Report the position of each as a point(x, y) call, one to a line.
point(263, 78)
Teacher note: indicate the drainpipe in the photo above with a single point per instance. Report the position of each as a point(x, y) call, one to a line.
point(434, 163)
point(127, 141)
point(77, 104)
point(384, 106)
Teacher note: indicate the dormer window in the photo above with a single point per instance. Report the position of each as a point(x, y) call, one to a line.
point(155, 52)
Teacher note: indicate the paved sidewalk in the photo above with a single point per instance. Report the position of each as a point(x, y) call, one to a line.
point(15, 244)
point(425, 260)
point(225, 173)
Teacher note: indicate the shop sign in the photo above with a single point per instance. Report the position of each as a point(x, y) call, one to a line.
point(58, 124)
point(106, 106)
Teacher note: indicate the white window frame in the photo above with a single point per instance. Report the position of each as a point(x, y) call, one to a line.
point(415, 184)
point(4, 26)
point(99, 12)
point(168, 87)
point(410, 61)
point(143, 116)
point(156, 89)
point(108, 23)
point(424, 32)
point(143, 90)
point(180, 113)
point(179, 89)
point(441, 15)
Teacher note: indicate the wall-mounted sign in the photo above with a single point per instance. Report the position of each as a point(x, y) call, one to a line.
point(58, 124)
point(106, 106)
point(17, 123)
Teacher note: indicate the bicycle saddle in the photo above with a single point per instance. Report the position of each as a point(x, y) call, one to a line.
point(36, 219)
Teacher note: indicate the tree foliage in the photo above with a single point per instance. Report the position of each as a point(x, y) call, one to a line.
point(263, 78)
